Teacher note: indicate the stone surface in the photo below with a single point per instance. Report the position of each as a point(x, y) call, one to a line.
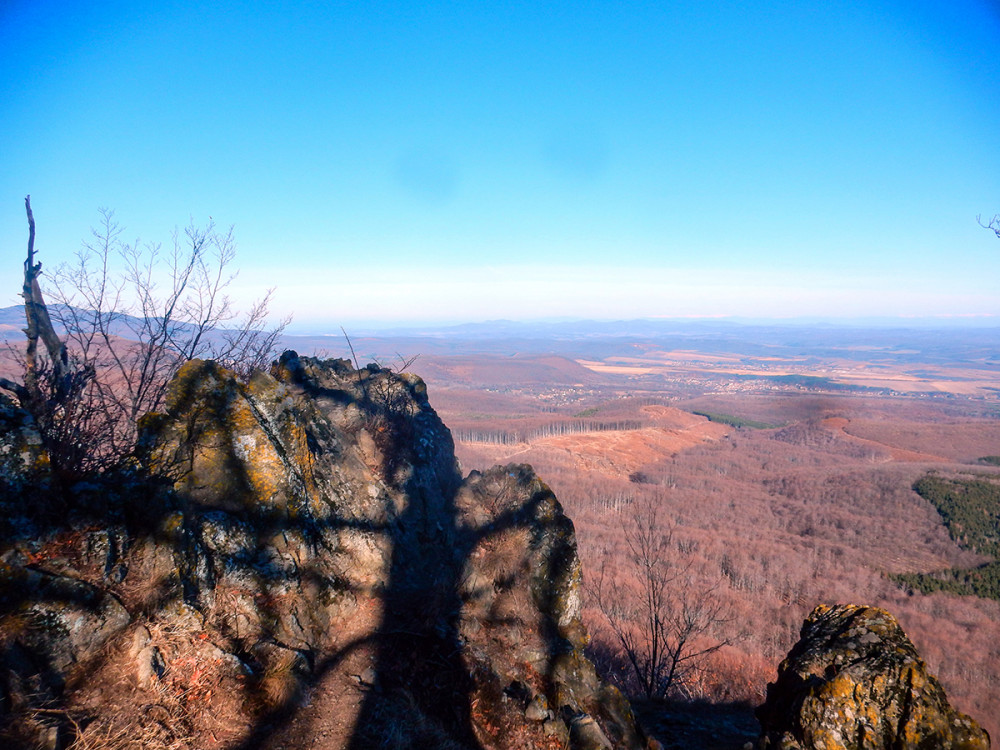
point(854, 681)
point(22, 456)
point(294, 532)
point(25, 473)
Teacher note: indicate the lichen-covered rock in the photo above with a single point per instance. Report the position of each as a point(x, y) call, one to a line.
point(854, 681)
point(305, 555)
point(241, 448)
point(22, 456)
point(25, 471)
point(52, 629)
point(66, 620)
point(521, 621)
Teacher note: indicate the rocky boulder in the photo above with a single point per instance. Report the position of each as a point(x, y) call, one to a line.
point(24, 464)
point(297, 561)
point(854, 681)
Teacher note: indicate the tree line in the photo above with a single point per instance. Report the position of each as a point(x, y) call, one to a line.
point(550, 429)
point(970, 509)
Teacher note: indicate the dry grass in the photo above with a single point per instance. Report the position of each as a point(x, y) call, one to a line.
point(281, 686)
point(117, 732)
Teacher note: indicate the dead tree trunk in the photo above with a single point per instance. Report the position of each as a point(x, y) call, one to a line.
point(51, 386)
point(39, 325)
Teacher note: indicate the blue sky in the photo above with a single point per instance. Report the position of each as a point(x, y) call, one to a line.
point(462, 161)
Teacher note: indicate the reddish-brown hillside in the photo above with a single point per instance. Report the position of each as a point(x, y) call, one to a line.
point(964, 441)
point(816, 510)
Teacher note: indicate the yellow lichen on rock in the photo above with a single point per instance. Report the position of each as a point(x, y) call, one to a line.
point(227, 445)
point(854, 681)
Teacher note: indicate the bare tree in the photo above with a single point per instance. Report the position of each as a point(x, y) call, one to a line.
point(993, 225)
point(53, 381)
point(131, 315)
point(662, 618)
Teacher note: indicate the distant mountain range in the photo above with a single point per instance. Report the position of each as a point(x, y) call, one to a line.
point(574, 338)
point(13, 317)
point(900, 341)
point(648, 326)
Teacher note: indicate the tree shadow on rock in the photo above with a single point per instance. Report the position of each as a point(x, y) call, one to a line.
point(275, 511)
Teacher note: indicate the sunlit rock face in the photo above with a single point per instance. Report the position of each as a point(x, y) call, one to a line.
point(304, 565)
point(854, 681)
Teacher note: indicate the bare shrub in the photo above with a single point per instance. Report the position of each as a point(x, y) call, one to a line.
point(661, 614)
point(130, 315)
point(993, 225)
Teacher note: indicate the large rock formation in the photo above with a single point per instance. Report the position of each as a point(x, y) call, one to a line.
point(854, 681)
point(23, 462)
point(305, 567)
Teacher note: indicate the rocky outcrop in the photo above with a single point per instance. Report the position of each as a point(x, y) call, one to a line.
point(298, 561)
point(854, 681)
point(23, 461)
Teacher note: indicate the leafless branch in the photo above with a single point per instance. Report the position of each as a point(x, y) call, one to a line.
point(128, 331)
point(993, 225)
point(656, 611)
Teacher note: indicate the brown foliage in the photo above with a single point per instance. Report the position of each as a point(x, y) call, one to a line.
point(788, 518)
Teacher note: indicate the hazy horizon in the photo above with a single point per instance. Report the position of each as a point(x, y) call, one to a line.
point(334, 328)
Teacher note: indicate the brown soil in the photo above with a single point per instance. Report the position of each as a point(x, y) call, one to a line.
point(329, 711)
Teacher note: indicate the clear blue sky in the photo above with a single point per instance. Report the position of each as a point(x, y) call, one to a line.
point(462, 161)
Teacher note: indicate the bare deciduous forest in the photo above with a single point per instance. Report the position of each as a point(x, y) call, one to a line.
point(816, 506)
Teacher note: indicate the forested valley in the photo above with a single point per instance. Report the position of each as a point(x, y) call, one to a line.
point(772, 502)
